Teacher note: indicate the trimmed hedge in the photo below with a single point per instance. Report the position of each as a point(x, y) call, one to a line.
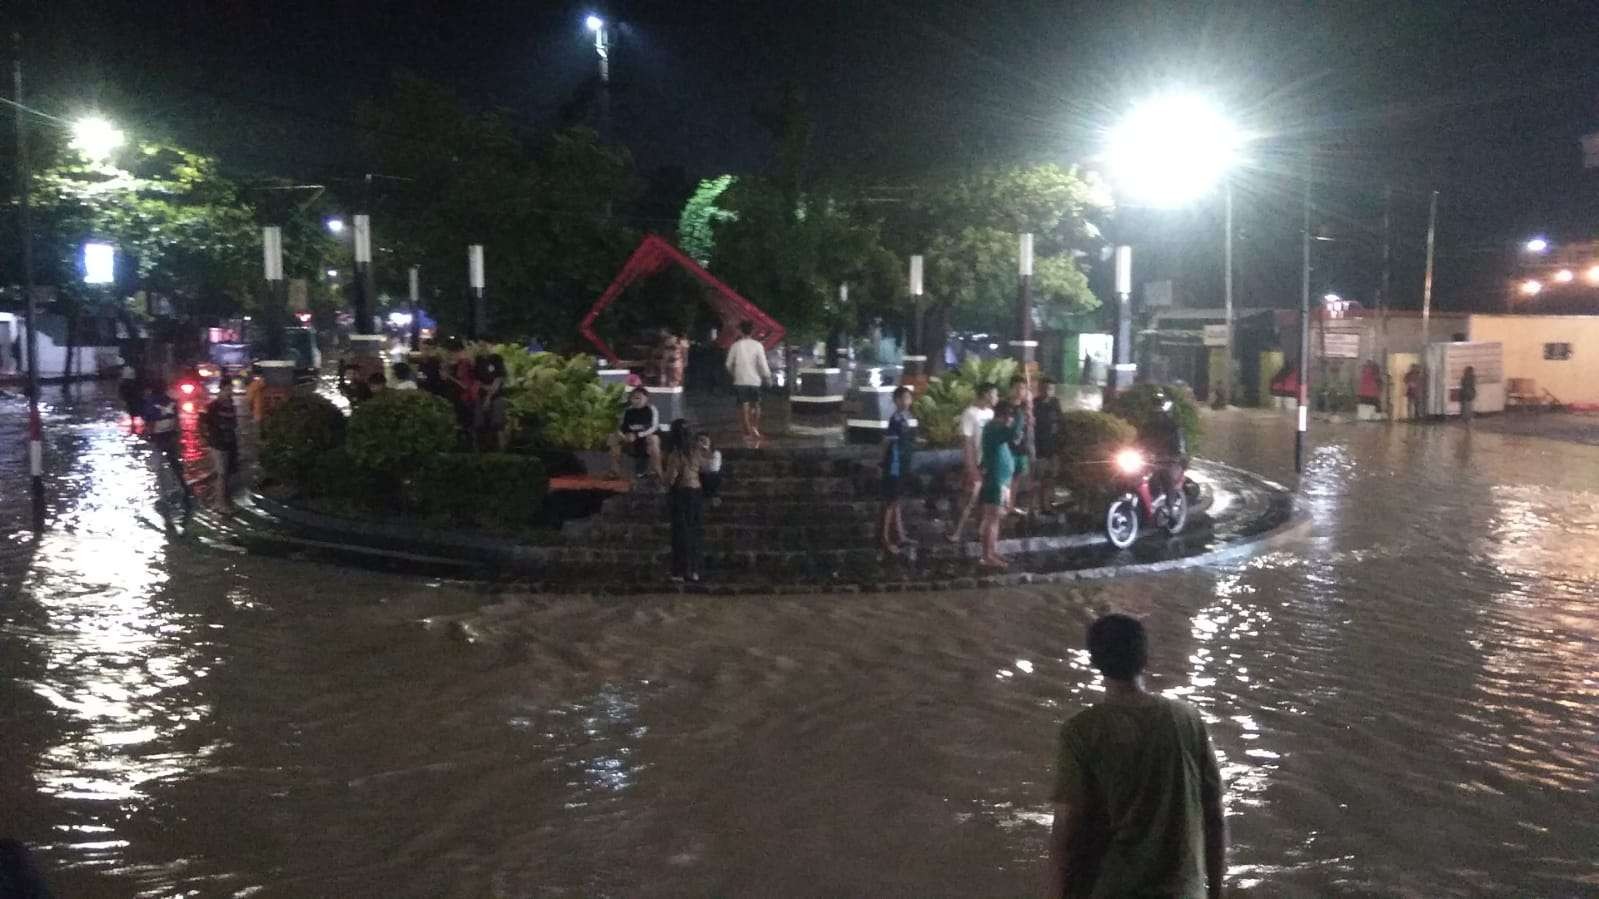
point(398, 431)
point(491, 490)
point(1087, 443)
point(335, 476)
point(297, 434)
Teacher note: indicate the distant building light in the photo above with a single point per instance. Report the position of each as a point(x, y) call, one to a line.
point(399, 319)
point(1530, 287)
point(1564, 276)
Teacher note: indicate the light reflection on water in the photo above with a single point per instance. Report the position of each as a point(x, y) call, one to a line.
point(119, 664)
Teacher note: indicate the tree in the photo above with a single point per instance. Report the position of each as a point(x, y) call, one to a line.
point(700, 217)
point(967, 227)
point(545, 217)
point(790, 260)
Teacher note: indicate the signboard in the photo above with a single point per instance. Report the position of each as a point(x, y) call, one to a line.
point(1215, 335)
point(1340, 346)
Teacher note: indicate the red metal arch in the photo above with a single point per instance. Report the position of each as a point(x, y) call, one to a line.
point(653, 255)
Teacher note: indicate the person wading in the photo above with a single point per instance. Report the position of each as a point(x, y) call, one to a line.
point(220, 425)
point(685, 501)
point(746, 362)
point(1137, 790)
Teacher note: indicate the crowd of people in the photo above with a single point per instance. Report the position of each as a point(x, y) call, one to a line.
point(473, 383)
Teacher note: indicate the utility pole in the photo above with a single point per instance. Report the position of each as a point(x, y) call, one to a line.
point(1426, 281)
point(1227, 291)
point(272, 273)
point(31, 314)
point(916, 360)
point(1304, 334)
point(362, 285)
point(1383, 297)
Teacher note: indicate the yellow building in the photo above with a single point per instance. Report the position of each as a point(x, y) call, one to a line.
point(1547, 357)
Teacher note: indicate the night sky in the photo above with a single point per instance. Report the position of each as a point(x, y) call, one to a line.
point(1482, 101)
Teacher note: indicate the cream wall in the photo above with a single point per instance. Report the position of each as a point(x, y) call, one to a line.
point(1573, 381)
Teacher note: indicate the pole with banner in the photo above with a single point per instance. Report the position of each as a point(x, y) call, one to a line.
point(477, 326)
point(361, 284)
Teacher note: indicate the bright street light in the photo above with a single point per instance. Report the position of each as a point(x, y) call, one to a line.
point(594, 23)
point(1171, 149)
point(1564, 276)
point(95, 137)
point(335, 226)
point(1530, 287)
point(1536, 245)
point(1592, 275)
point(99, 263)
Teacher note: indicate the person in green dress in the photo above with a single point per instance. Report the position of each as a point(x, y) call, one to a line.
point(999, 466)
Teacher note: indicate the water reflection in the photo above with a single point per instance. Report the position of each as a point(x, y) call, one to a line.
point(119, 666)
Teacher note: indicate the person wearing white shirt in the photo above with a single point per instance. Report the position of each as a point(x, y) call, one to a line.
point(973, 418)
point(746, 362)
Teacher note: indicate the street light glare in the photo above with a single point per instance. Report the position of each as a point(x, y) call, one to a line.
point(594, 23)
point(1537, 245)
point(1171, 150)
point(95, 137)
point(335, 226)
point(1531, 287)
point(1564, 276)
point(1592, 275)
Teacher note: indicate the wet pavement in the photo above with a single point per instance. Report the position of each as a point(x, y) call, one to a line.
point(1406, 700)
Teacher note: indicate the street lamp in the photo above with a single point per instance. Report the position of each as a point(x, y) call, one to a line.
point(1564, 276)
point(1536, 245)
point(602, 49)
point(96, 138)
point(1169, 151)
point(1531, 287)
point(335, 225)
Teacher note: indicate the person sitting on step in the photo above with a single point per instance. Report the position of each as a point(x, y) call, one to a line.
point(639, 433)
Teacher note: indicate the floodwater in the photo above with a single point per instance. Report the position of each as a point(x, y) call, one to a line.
point(1406, 700)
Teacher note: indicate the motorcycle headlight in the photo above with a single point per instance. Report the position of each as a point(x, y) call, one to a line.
point(1130, 461)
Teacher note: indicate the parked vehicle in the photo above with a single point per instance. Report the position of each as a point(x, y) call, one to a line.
point(1152, 494)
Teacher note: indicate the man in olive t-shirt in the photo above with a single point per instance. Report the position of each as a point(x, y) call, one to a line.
point(1137, 795)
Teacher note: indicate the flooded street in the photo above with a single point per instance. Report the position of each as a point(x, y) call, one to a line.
point(1406, 700)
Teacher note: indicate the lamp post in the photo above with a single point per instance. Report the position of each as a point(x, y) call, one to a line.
point(361, 283)
point(1169, 151)
point(602, 49)
point(272, 273)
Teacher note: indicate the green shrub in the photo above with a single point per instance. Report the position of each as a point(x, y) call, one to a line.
point(938, 410)
point(336, 476)
point(1087, 443)
point(1138, 405)
point(397, 430)
point(298, 432)
point(559, 401)
point(497, 491)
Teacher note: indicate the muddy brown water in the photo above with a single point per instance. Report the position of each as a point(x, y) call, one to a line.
point(1406, 699)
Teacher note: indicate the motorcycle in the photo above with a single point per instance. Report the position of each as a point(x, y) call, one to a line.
point(1137, 503)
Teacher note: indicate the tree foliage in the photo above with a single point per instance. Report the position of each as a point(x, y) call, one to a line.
point(546, 214)
point(701, 215)
point(182, 229)
point(967, 227)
